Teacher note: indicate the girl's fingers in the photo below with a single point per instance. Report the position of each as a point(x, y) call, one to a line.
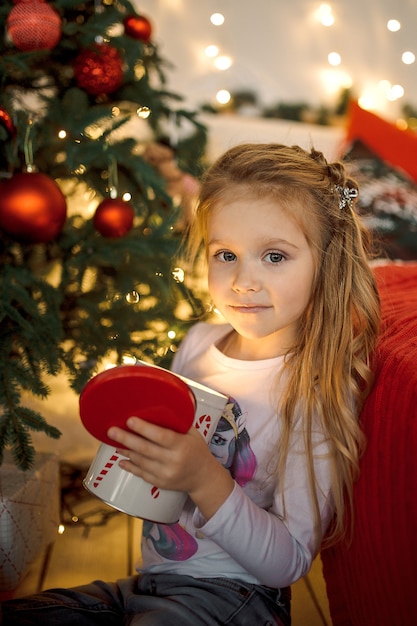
point(146, 430)
point(144, 439)
point(128, 438)
point(159, 455)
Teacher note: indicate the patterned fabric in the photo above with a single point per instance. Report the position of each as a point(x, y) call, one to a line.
point(387, 203)
point(29, 515)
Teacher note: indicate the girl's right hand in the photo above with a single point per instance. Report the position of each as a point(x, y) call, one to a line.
point(175, 461)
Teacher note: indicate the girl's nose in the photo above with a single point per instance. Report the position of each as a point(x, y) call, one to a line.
point(245, 279)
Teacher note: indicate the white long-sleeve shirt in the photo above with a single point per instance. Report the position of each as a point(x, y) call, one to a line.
point(251, 537)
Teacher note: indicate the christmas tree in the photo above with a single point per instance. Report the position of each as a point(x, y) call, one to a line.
point(88, 226)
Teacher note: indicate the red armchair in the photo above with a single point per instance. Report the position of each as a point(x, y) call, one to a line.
point(373, 580)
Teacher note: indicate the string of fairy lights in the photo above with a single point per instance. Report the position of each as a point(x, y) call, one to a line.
point(324, 14)
point(304, 51)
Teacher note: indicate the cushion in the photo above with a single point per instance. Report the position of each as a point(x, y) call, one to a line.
point(372, 580)
point(387, 202)
point(397, 147)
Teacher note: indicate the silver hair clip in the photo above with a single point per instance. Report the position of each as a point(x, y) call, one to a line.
point(347, 195)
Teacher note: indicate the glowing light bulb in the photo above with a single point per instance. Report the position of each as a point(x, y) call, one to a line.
point(396, 92)
point(172, 334)
point(223, 96)
point(223, 62)
point(402, 124)
point(334, 58)
point(212, 51)
point(62, 134)
point(408, 58)
point(334, 80)
point(393, 25)
point(384, 86)
point(217, 19)
point(365, 102)
point(325, 15)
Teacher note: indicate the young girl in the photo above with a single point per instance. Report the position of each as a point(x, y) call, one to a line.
point(287, 270)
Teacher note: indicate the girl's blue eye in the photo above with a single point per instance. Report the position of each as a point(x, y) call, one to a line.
point(226, 256)
point(274, 257)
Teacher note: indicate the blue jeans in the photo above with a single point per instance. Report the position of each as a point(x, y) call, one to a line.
point(153, 600)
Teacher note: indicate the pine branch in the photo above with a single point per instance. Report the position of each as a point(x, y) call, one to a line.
point(65, 305)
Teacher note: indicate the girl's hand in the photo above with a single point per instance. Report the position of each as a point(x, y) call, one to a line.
point(170, 460)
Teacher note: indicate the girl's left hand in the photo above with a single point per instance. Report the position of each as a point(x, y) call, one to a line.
point(163, 457)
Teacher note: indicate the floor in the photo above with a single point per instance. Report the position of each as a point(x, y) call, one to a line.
point(98, 542)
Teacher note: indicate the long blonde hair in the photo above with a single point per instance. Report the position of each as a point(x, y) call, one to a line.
point(329, 369)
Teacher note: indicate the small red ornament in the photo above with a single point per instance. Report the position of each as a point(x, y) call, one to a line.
point(7, 123)
point(138, 27)
point(99, 69)
point(33, 25)
point(32, 207)
point(113, 218)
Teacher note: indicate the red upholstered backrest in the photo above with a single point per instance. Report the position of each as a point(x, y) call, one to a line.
point(373, 581)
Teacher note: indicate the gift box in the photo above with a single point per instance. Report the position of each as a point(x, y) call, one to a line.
point(29, 515)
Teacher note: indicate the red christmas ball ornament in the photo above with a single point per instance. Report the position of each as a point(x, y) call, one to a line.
point(33, 208)
point(7, 123)
point(99, 69)
point(33, 25)
point(138, 27)
point(113, 218)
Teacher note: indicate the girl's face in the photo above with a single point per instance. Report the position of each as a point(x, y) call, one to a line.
point(260, 274)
